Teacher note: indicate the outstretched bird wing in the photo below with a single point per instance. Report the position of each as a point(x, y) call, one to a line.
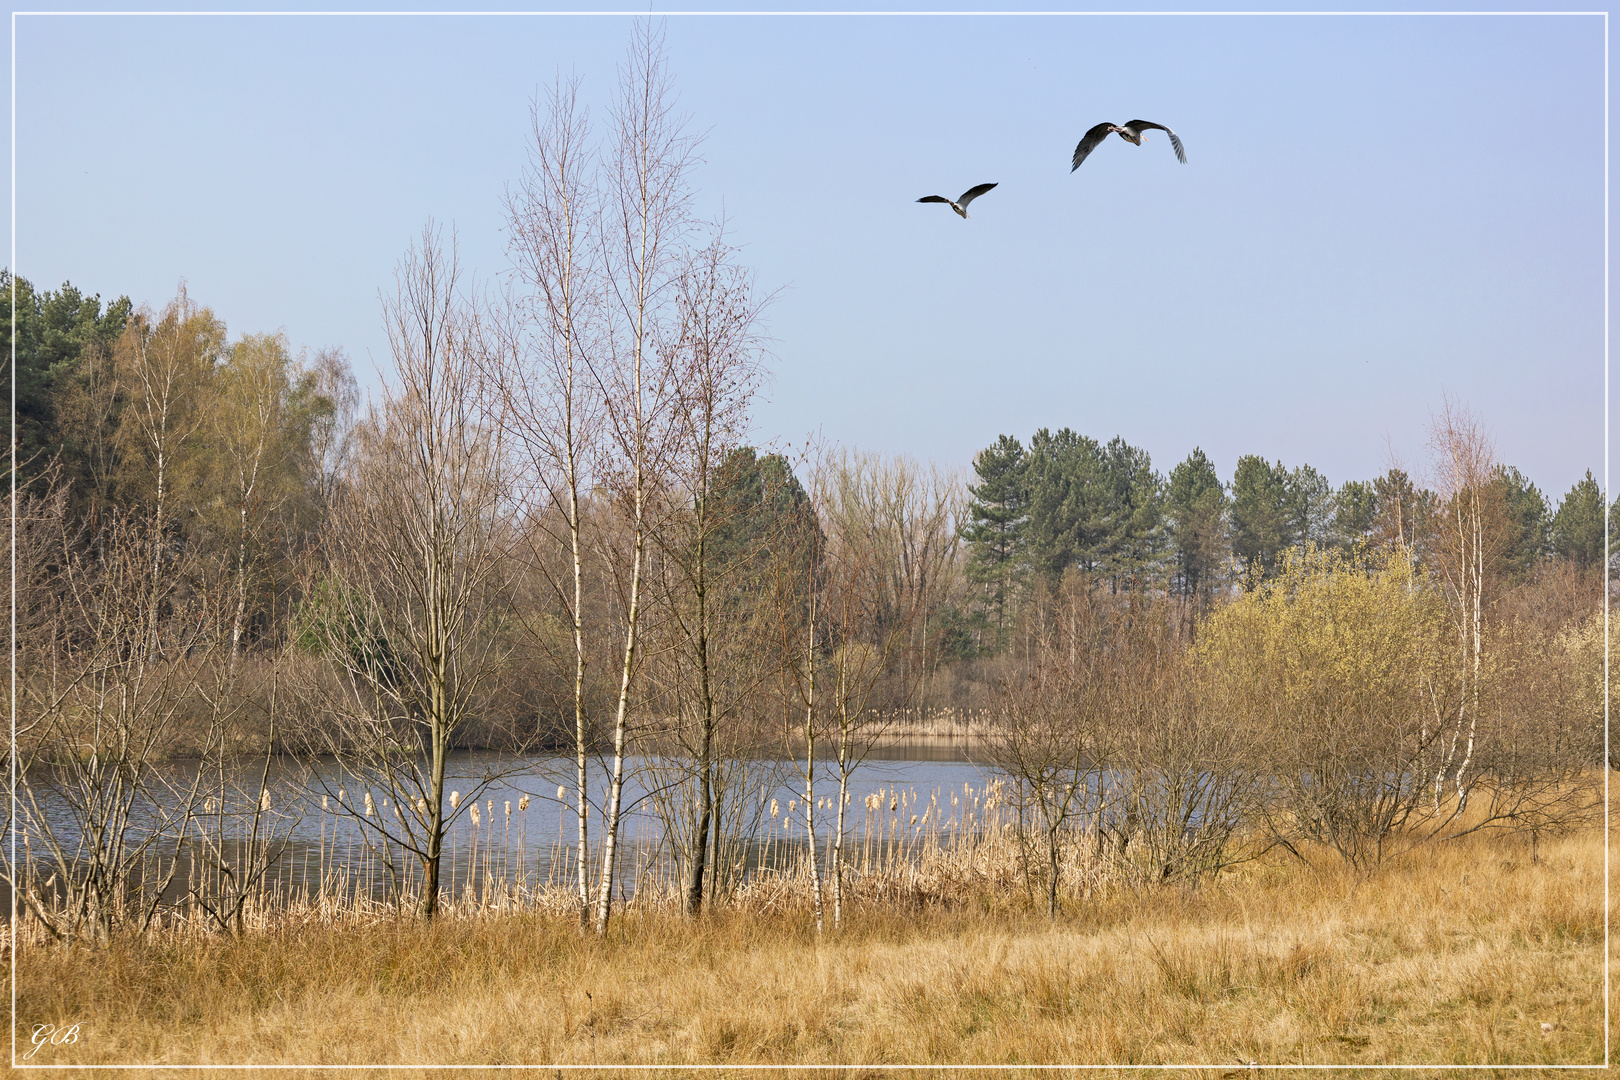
point(973, 193)
point(1175, 140)
point(934, 198)
point(1089, 142)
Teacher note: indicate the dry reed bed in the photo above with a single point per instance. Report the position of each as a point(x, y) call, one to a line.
point(1457, 956)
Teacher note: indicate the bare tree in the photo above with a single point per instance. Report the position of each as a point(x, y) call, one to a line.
point(332, 425)
point(554, 420)
point(1186, 781)
point(105, 692)
point(717, 359)
point(647, 221)
point(886, 552)
point(416, 562)
point(1052, 719)
point(1470, 546)
point(800, 615)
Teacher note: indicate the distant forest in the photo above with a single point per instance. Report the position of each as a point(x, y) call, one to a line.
point(1067, 502)
point(256, 432)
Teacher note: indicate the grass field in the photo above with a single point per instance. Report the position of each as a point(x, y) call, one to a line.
point(1466, 953)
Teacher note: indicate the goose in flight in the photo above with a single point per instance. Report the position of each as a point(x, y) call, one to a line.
point(962, 200)
point(1131, 132)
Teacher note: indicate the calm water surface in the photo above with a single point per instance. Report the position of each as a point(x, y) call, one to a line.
point(931, 783)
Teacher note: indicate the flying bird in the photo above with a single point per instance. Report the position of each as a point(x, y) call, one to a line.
point(1131, 132)
point(962, 200)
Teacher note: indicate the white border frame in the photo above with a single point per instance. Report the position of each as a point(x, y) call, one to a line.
point(831, 1067)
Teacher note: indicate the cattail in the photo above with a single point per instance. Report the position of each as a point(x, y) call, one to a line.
point(786, 822)
point(368, 803)
point(421, 807)
point(508, 809)
point(562, 793)
point(341, 794)
point(475, 815)
point(913, 821)
point(775, 808)
point(323, 803)
point(455, 800)
point(793, 804)
point(894, 804)
point(523, 803)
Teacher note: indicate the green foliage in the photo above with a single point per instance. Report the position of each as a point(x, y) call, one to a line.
point(1405, 513)
point(765, 524)
point(1577, 527)
point(1262, 518)
point(54, 329)
point(1098, 509)
point(1355, 513)
point(997, 519)
point(333, 621)
point(1310, 507)
point(1195, 504)
point(1065, 520)
point(1529, 524)
point(1134, 543)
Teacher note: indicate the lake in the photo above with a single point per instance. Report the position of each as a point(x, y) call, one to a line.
point(902, 793)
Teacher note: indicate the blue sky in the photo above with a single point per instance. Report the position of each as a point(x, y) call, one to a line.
point(1378, 209)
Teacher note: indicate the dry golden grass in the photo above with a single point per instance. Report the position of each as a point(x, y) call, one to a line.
point(1457, 956)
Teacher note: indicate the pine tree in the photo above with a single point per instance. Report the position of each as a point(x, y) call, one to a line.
point(1131, 550)
point(1577, 527)
point(1310, 508)
point(997, 519)
point(1529, 521)
point(1355, 513)
point(1262, 522)
point(1195, 502)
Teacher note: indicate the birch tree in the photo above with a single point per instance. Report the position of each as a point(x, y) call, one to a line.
point(1470, 543)
point(553, 413)
point(646, 225)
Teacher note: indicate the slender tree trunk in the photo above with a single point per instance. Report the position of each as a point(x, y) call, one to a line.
point(837, 867)
point(810, 757)
point(705, 766)
point(604, 892)
point(581, 735)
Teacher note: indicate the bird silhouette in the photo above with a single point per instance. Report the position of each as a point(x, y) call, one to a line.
point(1131, 133)
point(962, 200)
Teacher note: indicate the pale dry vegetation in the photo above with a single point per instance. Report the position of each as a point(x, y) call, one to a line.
point(1459, 956)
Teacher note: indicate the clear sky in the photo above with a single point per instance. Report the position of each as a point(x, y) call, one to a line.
point(1378, 209)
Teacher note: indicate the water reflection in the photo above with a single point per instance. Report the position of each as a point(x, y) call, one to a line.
point(322, 837)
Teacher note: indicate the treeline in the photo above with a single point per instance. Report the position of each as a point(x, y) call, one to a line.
point(1188, 672)
point(227, 449)
point(549, 535)
point(1069, 502)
